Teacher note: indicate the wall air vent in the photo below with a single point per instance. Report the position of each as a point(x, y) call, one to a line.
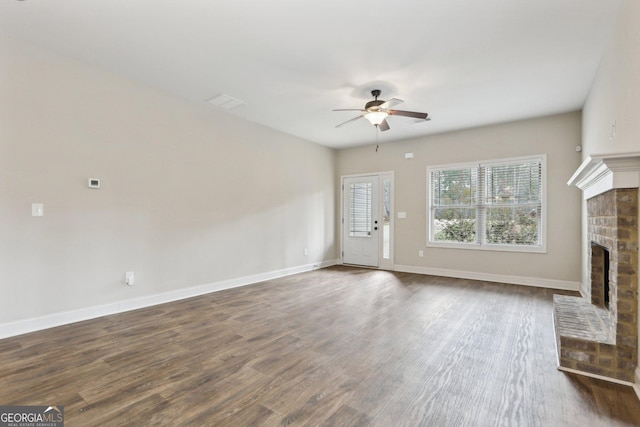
point(225, 101)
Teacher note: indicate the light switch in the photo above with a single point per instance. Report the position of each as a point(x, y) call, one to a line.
point(402, 215)
point(37, 209)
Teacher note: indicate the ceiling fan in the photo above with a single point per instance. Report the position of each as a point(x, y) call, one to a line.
point(377, 111)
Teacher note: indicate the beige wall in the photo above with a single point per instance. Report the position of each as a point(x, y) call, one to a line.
point(190, 195)
point(615, 94)
point(557, 136)
point(615, 98)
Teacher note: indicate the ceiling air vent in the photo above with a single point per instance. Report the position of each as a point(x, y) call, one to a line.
point(225, 101)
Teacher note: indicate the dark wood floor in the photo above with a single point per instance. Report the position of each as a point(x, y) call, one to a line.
point(339, 346)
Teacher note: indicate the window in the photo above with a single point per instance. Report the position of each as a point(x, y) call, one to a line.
point(360, 215)
point(496, 205)
point(386, 217)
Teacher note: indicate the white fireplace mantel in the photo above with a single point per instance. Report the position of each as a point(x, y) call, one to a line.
point(601, 173)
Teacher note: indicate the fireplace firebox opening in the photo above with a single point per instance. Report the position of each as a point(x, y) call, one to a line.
point(600, 275)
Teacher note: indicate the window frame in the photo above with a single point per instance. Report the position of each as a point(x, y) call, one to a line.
point(477, 245)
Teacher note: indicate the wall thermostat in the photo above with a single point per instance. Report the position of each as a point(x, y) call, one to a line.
point(94, 183)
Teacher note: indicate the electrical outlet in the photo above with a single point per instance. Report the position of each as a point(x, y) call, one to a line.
point(128, 278)
point(306, 251)
point(420, 254)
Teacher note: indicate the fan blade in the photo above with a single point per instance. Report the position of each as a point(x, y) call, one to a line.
point(349, 109)
point(383, 126)
point(350, 120)
point(390, 103)
point(413, 114)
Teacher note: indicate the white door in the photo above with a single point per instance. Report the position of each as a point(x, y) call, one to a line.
point(361, 223)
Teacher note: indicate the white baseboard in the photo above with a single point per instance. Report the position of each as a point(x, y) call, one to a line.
point(58, 319)
point(636, 386)
point(515, 280)
point(597, 377)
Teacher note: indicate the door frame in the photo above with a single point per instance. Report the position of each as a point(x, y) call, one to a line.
point(383, 263)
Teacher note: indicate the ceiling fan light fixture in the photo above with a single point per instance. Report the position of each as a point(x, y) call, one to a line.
point(377, 111)
point(376, 117)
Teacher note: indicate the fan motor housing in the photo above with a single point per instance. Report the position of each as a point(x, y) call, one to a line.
point(373, 105)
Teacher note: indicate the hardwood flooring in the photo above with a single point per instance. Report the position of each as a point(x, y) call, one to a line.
point(334, 347)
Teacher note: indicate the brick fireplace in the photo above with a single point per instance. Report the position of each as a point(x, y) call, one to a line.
point(597, 333)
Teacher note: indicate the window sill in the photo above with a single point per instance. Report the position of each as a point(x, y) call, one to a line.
point(495, 248)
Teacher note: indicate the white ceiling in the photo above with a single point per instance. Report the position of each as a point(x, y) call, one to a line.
point(466, 62)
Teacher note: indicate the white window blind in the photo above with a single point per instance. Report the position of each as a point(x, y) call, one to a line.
point(490, 204)
point(454, 204)
point(360, 209)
